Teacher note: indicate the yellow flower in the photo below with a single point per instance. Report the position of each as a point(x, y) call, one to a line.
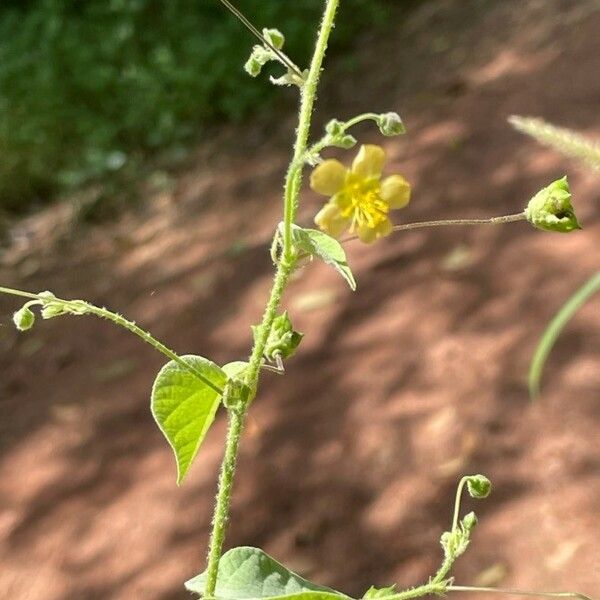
point(360, 200)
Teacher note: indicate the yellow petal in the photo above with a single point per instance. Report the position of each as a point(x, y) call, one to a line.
point(395, 190)
point(330, 220)
point(368, 234)
point(369, 161)
point(328, 178)
point(384, 229)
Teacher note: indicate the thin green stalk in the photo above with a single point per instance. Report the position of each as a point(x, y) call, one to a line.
point(489, 590)
point(80, 307)
point(308, 95)
point(449, 222)
point(457, 499)
point(286, 264)
point(5, 290)
point(221, 513)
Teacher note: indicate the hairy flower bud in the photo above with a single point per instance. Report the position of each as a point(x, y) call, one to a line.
point(551, 209)
point(390, 124)
point(24, 319)
point(469, 521)
point(479, 486)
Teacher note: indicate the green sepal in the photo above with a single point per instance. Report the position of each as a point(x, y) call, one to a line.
point(247, 573)
point(551, 209)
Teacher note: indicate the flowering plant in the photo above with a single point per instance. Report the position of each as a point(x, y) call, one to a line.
point(189, 389)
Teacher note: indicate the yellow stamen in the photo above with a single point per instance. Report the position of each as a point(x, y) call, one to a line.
point(360, 201)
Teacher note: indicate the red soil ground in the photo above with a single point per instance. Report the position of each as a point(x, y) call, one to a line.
point(350, 461)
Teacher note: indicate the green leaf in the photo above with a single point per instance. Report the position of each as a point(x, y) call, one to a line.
point(556, 325)
point(247, 573)
point(184, 407)
point(328, 249)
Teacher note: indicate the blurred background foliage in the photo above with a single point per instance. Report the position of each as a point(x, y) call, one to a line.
point(89, 88)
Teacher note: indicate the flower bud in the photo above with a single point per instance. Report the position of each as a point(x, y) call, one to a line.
point(551, 209)
point(274, 37)
point(469, 521)
point(390, 124)
point(53, 309)
point(479, 486)
point(345, 141)
point(24, 319)
point(334, 128)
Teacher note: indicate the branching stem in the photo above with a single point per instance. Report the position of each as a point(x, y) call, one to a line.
point(80, 307)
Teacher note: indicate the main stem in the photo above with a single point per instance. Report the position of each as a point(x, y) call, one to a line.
point(221, 514)
point(285, 267)
point(308, 95)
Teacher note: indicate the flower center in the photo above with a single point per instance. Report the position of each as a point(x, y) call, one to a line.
point(360, 200)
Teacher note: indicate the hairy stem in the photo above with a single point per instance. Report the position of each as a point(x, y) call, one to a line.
point(418, 592)
point(308, 94)
point(286, 264)
point(221, 513)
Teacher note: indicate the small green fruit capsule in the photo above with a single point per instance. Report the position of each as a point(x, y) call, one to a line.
point(391, 124)
point(551, 209)
point(479, 486)
point(24, 319)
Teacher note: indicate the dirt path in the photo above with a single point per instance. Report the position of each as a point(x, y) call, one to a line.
point(350, 461)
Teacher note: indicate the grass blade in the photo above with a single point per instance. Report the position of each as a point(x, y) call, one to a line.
point(556, 325)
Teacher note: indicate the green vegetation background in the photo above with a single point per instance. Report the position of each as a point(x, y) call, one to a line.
point(88, 88)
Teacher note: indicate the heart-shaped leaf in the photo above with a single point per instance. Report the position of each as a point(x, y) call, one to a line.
point(184, 406)
point(328, 249)
point(247, 573)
